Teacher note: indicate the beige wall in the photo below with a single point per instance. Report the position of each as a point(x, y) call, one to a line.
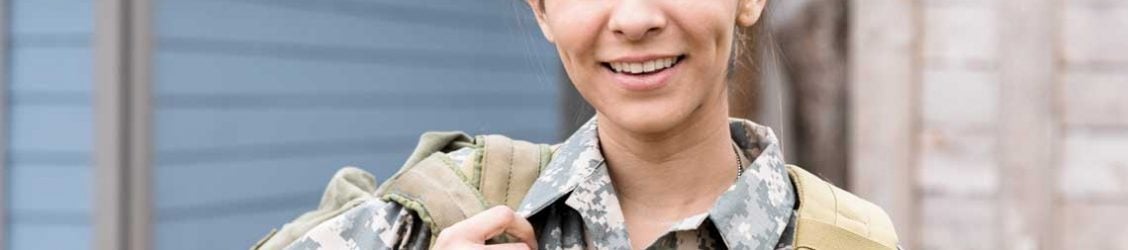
point(1016, 117)
point(1093, 177)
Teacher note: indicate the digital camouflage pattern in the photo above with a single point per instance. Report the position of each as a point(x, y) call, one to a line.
point(573, 205)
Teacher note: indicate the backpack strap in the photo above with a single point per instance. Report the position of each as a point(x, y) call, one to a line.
point(436, 191)
point(509, 168)
point(831, 218)
point(441, 193)
point(498, 171)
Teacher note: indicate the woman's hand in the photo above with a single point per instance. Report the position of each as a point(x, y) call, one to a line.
point(473, 232)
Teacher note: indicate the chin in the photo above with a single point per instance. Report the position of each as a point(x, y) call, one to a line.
point(644, 120)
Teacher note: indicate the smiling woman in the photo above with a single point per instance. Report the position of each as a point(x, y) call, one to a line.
point(661, 165)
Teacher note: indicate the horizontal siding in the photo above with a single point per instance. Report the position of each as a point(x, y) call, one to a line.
point(200, 129)
point(258, 103)
point(358, 24)
point(50, 125)
point(357, 100)
point(211, 73)
point(188, 188)
point(50, 16)
point(38, 67)
point(39, 236)
point(40, 191)
point(431, 58)
point(50, 128)
point(234, 232)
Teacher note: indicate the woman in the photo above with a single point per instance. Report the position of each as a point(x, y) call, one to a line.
point(660, 166)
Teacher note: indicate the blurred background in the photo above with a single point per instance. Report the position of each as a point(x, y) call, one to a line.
point(202, 124)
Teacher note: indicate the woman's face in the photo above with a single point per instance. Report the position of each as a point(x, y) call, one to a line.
point(647, 65)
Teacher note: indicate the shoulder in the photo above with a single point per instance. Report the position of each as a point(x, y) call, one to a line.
point(824, 209)
point(487, 169)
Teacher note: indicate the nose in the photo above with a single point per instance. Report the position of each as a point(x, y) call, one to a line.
point(635, 20)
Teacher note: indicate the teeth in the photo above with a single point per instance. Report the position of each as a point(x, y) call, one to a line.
point(643, 67)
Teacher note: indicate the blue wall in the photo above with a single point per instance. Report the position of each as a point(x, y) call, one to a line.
point(258, 102)
point(49, 178)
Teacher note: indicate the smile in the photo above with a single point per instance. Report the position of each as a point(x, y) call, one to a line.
point(643, 67)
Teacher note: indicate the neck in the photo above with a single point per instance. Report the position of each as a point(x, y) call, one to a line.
point(681, 171)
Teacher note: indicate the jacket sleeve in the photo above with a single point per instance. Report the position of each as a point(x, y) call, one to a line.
point(375, 224)
point(350, 216)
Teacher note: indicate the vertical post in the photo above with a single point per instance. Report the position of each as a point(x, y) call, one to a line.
point(1028, 128)
point(884, 73)
point(141, 40)
point(122, 46)
point(110, 214)
point(5, 77)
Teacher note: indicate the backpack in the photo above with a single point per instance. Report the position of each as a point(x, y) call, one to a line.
point(442, 193)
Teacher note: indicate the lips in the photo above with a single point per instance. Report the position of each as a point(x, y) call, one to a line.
point(643, 67)
point(642, 74)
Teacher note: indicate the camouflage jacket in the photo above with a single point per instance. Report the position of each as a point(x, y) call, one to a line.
point(573, 205)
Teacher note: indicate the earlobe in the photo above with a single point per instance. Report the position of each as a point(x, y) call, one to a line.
point(750, 12)
point(545, 30)
point(538, 12)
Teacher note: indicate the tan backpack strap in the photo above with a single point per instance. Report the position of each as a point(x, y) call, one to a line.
point(436, 190)
point(443, 194)
point(508, 169)
point(831, 218)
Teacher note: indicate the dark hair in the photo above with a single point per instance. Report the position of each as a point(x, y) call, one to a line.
point(750, 44)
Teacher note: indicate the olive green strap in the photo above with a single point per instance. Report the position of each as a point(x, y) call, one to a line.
point(442, 194)
point(509, 169)
point(831, 218)
point(436, 191)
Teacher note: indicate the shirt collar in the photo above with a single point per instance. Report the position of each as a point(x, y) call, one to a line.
point(755, 210)
point(752, 214)
point(572, 162)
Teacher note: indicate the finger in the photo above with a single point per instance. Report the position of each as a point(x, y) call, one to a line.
point(494, 222)
point(521, 228)
point(482, 226)
point(508, 246)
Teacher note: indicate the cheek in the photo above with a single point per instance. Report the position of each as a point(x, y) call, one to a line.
point(575, 27)
point(710, 36)
point(576, 31)
point(705, 27)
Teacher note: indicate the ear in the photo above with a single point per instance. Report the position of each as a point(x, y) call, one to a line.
point(538, 12)
point(748, 12)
